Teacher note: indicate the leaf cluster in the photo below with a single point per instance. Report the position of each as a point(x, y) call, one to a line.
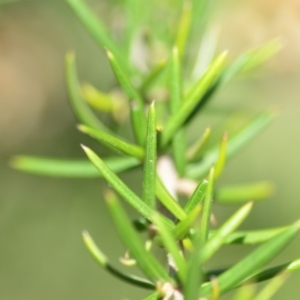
point(160, 129)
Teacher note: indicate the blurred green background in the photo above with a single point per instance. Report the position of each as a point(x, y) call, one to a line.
point(41, 253)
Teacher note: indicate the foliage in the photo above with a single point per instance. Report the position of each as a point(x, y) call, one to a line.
point(157, 62)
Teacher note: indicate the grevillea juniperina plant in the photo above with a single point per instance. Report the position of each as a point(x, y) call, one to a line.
point(164, 85)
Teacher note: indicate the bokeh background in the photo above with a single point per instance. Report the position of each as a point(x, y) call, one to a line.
point(41, 253)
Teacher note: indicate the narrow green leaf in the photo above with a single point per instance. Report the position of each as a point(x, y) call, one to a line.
point(152, 76)
point(179, 138)
point(121, 188)
point(206, 212)
point(273, 272)
point(80, 108)
point(222, 156)
point(245, 192)
point(146, 261)
point(168, 201)
point(194, 152)
point(194, 272)
point(95, 28)
point(235, 144)
point(101, 101)
point(149, 172)
point(137, 105)
point(259, 55)
point(253, 237)
point(184, 28)
point(119, 145)
point(183, 227)
point(251, 59)
point(217, 240)
point(197, 197)
point(193, 98)
point(70, 168)
point(102, 260)
point(173, 249)
point(253, 262)
point(272, 287)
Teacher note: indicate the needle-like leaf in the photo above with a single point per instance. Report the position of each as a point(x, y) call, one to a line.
point(217, 240)
point(70, 168)
point(121, 188)
point(173, 249)
point(149, 172)
point(179, 138)
point(145, 260)
point(254, 261)
point(206, 212)
point(103, 261)
point(197, 197)
point(242, 193)
point(195, 150)
point(222, 156)
point(193, 97)
point(81, 109)
point(183, 227)
point(137, 105)
point(235, 144)
point(119, 145)
point(168, 201)
point(184, 28)
point(96, 29)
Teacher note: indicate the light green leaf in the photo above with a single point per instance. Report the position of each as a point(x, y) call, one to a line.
point(245, 192)
point(80, 108)
point(206, 212)
point(98, 100)
point(254, 261)
point(245, 292)
point(193, 97)
point(136, 102)
point(184, 28)
point(235, 144)
point(272, 287)
point(197, 197)
point(96, 29)
point(217, 240)
point(183, 227)
point(110, 140)
point(121, 188)
point(149, 172)
point(179, 138)
point(173, 249)
point(222, 156)
point(70, 168)
point(145, 260)
point(102, 260)
point(168, 201)
point(194, 152)
point(152, 76)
